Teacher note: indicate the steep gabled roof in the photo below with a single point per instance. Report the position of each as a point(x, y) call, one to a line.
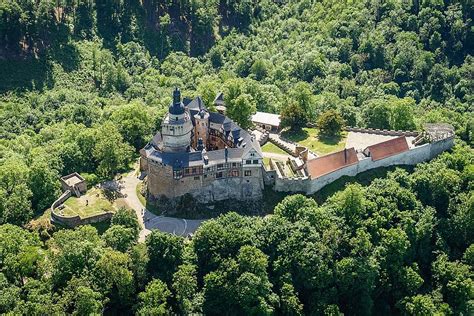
point(387, 148)
point(266, 118)
point(217, 156)
point(219, 99)
point(323, 165)
point(180, 160)
point(196, 104)
point(217, 118)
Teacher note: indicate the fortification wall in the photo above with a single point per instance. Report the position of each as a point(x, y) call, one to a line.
point(411, 157)
point(291, 184)
point(66, 194)
point(76, 220)
point(438, 147)
point(382, 132)
point(205, 188)
point(269, 176)
point(317, 184)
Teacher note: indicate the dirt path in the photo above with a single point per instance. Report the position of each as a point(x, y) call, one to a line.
point(149, 221)
point(276, 156)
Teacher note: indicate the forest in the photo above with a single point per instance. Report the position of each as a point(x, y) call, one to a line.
point(84, 85)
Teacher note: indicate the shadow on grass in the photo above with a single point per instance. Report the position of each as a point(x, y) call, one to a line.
point(295, 135)
point(330, 140)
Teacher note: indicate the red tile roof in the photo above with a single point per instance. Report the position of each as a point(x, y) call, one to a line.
point(387, 148)
point(326, 164)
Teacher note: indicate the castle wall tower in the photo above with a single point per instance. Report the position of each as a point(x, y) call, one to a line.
point(177, 127)
point(201, 130)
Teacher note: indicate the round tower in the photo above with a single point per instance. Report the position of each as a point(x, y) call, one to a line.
point(177, 127)
point(201, 129)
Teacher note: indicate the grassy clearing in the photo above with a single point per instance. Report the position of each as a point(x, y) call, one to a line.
point(92, 203)
point(272, 148)
point(138, 190)
point(309, 137)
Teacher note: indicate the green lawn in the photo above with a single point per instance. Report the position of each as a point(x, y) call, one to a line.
point(138, 190)
point(308, 137)
point(266, 161)
point(272, 148)
point(97, 204)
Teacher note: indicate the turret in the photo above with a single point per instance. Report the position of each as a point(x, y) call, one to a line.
point(177, 127)
point(201, 129)
point(177, 107)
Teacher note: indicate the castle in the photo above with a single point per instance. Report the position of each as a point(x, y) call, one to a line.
point(202, 153)
point(207, 155)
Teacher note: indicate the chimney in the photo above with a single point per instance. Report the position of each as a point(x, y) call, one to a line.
point(226, 153)
point(205, 157)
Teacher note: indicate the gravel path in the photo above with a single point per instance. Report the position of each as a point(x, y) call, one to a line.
point(276, 156)
point(149, 221)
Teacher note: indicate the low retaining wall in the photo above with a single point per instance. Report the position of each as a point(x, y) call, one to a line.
point(73, 221)
point(382, 132)
point(282, 146)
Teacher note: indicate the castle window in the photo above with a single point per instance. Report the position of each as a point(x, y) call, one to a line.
point(220, 166)
point(255, 162)
point(219, 175)
point(248, 173)
point(194, 170)
point(205, 176)
point(234, 164)
point(177, 174)
point(234, 173)
point(248, 162)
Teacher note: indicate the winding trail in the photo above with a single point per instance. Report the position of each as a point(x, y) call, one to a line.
point(149, 221)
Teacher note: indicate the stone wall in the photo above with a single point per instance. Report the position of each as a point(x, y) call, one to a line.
point(73, 221)
point(205, 187)
point(411, 157)
point(291, 184)
point(382, 132)
point(269, 177)
point(283, 146)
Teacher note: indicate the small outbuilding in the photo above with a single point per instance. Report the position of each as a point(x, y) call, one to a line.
point(268, 121)
point(220, 104)
point(75, 183)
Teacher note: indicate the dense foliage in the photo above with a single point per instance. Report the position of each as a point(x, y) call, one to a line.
point(84, 85)
point(402, 245)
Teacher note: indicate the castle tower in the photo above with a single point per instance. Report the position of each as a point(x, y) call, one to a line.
point(177, 127)
point(202, 127)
